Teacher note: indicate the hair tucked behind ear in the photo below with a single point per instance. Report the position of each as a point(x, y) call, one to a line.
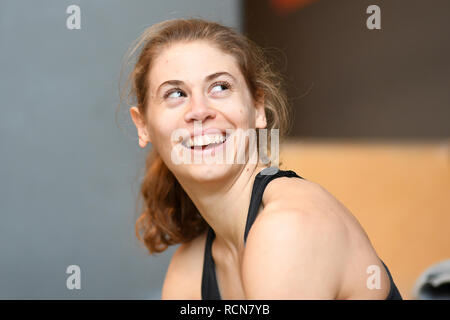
point(168, 215)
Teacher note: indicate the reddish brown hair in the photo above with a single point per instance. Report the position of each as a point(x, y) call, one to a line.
point(168, 215)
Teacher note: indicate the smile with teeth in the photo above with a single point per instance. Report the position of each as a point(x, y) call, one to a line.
point(205, 141)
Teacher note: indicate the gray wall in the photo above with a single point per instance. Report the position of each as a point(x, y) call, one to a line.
point(69, 175)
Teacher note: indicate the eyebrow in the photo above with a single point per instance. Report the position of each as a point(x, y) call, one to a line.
point(208, 78)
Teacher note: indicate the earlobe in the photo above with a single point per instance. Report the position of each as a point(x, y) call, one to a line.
point(142, 142)
point(261, 121)
point(143, 138)
point(141, 127)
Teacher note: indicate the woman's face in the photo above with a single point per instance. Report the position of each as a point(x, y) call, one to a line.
point(196, 83)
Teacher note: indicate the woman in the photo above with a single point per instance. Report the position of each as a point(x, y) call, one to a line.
point(247, 229)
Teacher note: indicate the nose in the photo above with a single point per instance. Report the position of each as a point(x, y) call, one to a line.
point(199, 111)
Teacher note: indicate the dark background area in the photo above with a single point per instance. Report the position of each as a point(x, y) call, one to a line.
point(346, 81)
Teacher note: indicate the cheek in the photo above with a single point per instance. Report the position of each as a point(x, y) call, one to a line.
point(248, 116)
point(164, 135)
point(245, 112)
point(160, 134)
point(242, 118)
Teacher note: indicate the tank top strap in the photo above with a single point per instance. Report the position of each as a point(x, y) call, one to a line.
point(262, 179)
point(393, 294)
point(210, 287)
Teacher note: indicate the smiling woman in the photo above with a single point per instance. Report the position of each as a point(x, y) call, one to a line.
point(304, 244)
point(191, 70)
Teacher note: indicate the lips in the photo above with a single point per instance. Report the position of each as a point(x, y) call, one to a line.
point(211, 149)
point(205, 132)
point(208, 131)
point(209, 146)
point(206, 146)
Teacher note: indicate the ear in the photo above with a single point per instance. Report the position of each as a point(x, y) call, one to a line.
point(141, 127)
point(260, 114)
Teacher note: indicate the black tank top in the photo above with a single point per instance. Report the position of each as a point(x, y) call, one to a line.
point(210, 288)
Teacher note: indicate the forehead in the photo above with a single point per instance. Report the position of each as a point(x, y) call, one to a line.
point(191, 62)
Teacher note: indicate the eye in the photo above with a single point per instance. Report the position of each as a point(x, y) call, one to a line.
point(169, 93)
point(223, 84)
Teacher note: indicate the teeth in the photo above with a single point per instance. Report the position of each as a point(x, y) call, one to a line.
point(204, 140)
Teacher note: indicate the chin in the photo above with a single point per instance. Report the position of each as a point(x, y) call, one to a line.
point(208, 172)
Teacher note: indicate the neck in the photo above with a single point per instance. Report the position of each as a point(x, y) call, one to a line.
point(224, 204)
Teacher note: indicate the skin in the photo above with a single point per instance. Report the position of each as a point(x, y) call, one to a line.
point(322, 251)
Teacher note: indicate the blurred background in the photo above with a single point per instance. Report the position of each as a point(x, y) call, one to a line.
point(371, 124)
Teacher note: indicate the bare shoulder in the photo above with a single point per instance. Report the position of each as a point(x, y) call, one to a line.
point(310, 246)
point(295, 193)
point(295, 246)
point(184, 274)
